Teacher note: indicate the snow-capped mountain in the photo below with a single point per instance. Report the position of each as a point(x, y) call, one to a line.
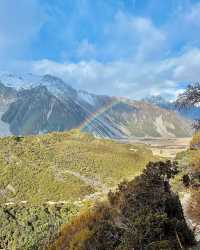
point(19, 81)
point(40, 104)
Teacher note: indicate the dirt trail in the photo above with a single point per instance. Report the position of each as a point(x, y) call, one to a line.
point(95, 183)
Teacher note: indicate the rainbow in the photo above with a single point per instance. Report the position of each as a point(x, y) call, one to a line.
point(94, 116)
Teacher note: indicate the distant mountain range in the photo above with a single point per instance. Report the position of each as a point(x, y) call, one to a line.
point(32, 104)
point(189, 113)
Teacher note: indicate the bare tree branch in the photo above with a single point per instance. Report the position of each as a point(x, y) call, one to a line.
point(188, 99)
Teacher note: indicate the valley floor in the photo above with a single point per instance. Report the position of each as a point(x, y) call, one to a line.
point(163, 147)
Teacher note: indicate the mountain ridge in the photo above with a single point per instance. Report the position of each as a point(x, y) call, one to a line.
point(191, 113)
point(47, 103)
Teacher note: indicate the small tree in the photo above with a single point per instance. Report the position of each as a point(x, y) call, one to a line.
point(190, 98)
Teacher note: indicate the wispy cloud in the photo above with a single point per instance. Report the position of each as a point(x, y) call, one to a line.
point(86, 50)
point(130, 78)
point(133, 37)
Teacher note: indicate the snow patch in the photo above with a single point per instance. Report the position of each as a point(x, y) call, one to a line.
point(50, 110)
point(27, 80)
point(19, 81)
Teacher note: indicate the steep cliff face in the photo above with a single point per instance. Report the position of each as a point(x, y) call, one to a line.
point(37, 111)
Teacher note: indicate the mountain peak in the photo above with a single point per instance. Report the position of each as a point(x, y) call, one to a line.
point(155, 99)
point(19, 81)
point(50, 78)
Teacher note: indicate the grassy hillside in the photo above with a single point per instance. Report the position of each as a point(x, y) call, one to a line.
point(64, 166)
point(43, 180)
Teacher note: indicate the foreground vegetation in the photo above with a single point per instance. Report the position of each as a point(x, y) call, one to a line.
point(187, 183)
point(191, 159)
point(26, 226)
point(64, 166)
point(46, 179)
point(49, 184)
point(142, 214)
point(195, 142)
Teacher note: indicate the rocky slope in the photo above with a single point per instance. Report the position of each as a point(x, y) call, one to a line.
point(139, 119)
point(40, 104)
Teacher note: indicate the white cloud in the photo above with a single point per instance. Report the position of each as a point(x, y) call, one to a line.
point(124, 37)
point(187, 66)
point(151, 39)
point(130, 79)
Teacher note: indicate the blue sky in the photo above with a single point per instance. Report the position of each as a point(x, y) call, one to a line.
point(118, 47)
